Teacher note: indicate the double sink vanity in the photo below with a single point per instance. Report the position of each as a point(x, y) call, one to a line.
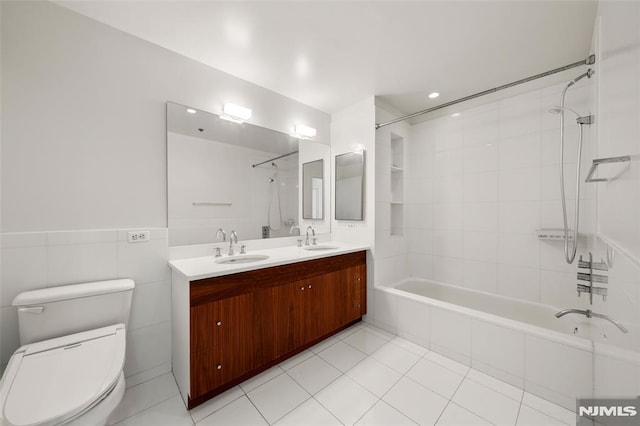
point(236, 316)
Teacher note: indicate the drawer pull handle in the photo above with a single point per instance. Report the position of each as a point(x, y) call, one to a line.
point(219, 323)
point(219, 367)
point(302, 288)
point(309, 285)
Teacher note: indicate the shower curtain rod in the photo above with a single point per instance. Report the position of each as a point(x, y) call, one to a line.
point(274, 158)
point(589, 61)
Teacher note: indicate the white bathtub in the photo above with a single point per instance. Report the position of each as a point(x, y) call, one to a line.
point(518, 342)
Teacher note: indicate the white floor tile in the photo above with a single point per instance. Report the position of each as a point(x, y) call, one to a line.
point(295, 360)
point(145, 395)
point(374, 376)
point(416, 402)
point(530, 417)
point(447, 362)
point(346, 400)
point(342, 356)
point(396, 357)
point(314, 374)
point(454, 415)
point(203, 410)
point(486, 403)
point(365, 341)
point(384, 335)
point(324, 344)
point(435, 377)
point(240, 412)
point(262, 378)
point(549, 408)
point(495, 384)
point(172, 412)
point(382, 414)
point(349, 331)
point(310, 413)
point(278, 397)
point(409, 346)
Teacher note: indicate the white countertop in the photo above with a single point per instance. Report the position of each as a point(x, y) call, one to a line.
point(206, 267)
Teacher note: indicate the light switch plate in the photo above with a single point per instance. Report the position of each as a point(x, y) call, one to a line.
point(138, 236)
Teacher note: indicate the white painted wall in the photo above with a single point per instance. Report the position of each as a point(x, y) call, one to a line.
point(616, 102)
point(84, 160)
point(352, 129)
point(84, 133)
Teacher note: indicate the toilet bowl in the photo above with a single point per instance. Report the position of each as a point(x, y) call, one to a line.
point(71, 379)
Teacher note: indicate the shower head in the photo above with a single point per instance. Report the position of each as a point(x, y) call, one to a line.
point(559, 109)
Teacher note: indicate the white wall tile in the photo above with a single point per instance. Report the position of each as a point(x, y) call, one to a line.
point(519, 281)
point(481, 187)
point(481, 216)
point(480, 158)
point(420, 265)
point(447, 216)
point(386, 310)
point(9, 335)
point(559, 289)
point(499, 347)
point(23, 268)
point(144, 262)
point(151, 304)
point(481, 276)
point(447, 270)
point(519, 152)
point(519, 184)
point(413, 321)
point(481, 246)
point(565, 370)
point(148, 347)
point(519, 250)
point(451, 332)
point(447, 243)
point(522, 217)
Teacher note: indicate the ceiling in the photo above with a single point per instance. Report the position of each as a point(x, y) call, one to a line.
point(331, 54)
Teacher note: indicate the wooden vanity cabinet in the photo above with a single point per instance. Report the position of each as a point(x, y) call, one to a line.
point(244, 323)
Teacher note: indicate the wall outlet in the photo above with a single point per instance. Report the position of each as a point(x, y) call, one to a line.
point(139, 236)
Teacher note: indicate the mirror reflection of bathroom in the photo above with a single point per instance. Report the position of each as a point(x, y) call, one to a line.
point(350, 186)
point(235, 176)
point(313, 190)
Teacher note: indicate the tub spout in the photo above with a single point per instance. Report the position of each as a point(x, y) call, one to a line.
point(590, 314)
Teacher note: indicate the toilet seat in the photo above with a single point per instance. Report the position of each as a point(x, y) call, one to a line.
point(49, 382)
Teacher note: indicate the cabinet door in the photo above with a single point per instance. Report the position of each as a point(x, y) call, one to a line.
point(224, 342)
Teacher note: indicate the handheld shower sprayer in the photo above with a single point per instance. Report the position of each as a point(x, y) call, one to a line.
point(570, 254)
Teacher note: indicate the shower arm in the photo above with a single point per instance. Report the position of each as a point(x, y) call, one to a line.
point(590, 314)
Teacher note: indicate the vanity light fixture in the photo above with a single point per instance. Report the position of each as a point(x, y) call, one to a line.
point(191, 111)
point(433, 95)
point(303, 132)
point(235, 113)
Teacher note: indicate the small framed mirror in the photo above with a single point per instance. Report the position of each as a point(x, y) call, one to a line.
point(350, 186)
point(313, 190)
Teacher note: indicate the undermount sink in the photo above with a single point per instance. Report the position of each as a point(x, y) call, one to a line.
point(320, 248)
point(242, 258)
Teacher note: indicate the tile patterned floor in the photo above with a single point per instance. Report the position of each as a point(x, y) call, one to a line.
point(362, 376)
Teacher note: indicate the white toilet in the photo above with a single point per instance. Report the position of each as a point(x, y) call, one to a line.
point(69, 368)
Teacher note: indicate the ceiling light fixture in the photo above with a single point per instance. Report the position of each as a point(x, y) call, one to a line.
point(191, 111)
point(235, 113)
point(303, 132)
point(433, 95)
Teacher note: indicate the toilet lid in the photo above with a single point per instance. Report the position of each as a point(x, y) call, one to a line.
point(50, 381)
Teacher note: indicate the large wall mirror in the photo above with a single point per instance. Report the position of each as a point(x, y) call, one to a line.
point(350, 186)
point(235, 176)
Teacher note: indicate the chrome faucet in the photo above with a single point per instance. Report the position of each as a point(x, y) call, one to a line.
point(232, 236)
point(313, 232)
point(292, 228)
point(224, 238)
point(590, 314)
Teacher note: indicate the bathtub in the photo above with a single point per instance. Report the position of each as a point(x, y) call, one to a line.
point(519, 342)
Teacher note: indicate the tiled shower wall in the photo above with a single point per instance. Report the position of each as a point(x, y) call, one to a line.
point(44, 259)
point(481, 183)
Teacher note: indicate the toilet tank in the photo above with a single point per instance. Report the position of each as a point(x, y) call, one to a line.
point(58, 311)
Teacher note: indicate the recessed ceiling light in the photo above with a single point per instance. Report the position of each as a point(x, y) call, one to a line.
point(433, 95)
point(191, 111)
point(455, 115)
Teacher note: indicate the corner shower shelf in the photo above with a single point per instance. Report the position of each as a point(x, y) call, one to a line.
point(598, 161)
